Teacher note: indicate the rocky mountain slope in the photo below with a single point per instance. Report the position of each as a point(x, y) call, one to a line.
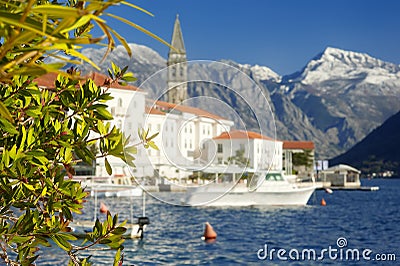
point(379, 151)
point(335, 100)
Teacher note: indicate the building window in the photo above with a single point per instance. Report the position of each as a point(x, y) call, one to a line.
point(185, 144)
point(190, 129)
point(219, 150)
point(190, 144)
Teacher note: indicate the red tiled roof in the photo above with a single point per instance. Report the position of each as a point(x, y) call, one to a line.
point(48, 79)
point(153, 111)
point(186, 109)
point(241, 134)
point(300, 145)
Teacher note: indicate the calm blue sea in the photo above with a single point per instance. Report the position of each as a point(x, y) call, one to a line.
point(362, 221)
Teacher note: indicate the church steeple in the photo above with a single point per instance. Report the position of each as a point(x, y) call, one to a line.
point(177, 66)
point(177, 38)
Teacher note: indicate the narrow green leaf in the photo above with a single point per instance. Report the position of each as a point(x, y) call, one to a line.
point(153, 136)
point(104, 114)
point(137, 7)
point(61, 241)
point(105, 241)
point(58, 11)
point(28, 186)
point(119, 231)
point(83, 57)
point(122, 40)
point(117, 257)
point(7, 126)
point(30, 24)
point(5, 113)
point(108, 166)
point(153, 145)
point(20, 239)
point(80, 22)
point(129, 77)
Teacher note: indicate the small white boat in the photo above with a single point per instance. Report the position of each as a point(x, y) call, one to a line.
point(133, 230)
point(110, 186)
point(272, 189)
point(136, 229)
point(112, 190)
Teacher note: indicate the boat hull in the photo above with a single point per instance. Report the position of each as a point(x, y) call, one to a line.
point(241, 196)
point(114, 191)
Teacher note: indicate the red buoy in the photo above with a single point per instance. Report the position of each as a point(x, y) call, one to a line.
point(323, 202)
point(209, 232)
point(103, 208)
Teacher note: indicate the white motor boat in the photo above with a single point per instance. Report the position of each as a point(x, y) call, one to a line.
point(106, 187)
point(272, 189)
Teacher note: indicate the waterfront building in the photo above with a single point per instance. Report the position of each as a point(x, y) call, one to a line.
point(298, 158)
point(183, 130)
point(341, 175)
point(246, 147)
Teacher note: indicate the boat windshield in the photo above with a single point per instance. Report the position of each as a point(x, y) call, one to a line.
point(274, 177)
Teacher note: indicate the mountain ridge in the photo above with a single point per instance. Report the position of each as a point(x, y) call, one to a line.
point(335, 100)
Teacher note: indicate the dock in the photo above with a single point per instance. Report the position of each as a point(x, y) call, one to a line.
point(362, 188)
point(326, 185)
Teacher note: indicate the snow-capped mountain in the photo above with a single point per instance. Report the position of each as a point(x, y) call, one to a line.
point(260, 72)
point(345, 94)
point(335, 100)
point(336, 64)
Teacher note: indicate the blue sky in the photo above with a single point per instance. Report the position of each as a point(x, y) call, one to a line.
point(281, 34)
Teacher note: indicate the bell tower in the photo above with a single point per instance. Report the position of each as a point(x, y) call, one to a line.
point(177, 67)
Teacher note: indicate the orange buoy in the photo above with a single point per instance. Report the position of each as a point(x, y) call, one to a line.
point(209, 232)
point(103, 208)
point(323, 202)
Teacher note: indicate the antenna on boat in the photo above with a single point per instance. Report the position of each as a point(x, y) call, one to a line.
point(95, 203)
point(144, 205)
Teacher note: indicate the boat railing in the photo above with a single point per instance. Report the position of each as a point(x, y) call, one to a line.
point(105, 180)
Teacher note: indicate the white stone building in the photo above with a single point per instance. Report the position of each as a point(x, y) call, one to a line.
point(182, 132)
point(261, 152)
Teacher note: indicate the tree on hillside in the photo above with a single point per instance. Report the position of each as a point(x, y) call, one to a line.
point(45, 132)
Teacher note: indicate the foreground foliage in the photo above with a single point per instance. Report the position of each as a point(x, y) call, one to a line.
point(46, 131)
